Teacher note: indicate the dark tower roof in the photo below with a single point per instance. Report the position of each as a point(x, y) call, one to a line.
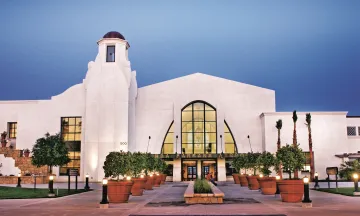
point(114, 34)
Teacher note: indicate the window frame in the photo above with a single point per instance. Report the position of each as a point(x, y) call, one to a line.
point(107, 53)
point(11, 130)
point(232, 136)
point(347, 131)
point(204, 132)
point(163, 143)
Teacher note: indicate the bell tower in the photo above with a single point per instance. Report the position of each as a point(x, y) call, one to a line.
point(107, 90)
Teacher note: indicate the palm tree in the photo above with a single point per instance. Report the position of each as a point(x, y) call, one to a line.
point(295, 118)
point(278, 127)
point(308, 124)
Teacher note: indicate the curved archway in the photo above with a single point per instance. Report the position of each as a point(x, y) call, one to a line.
point(230, 144)
point(168, 142)
point(198, 128)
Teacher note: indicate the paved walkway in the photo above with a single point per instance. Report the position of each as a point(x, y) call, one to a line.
point(87, 204)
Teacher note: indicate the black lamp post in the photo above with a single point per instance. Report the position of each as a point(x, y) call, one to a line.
point(356, 180)
point(104, 192)
point(222, 150)
point(51, 186)
point(19, 180)
point(306, 201)
point(316, 181)
point(147, 149)
point(87, 187)
point(277, 185)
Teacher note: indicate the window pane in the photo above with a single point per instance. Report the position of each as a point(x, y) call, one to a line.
point(71, 121)
point(198, 137)
point(228, 138)
point(188, 108)
point(187, 127)
point(187, 138)
point(169, 138)
point(210, 126)
point(229, 148)
point(110, 55)
point(210, 147)
point(187, 147)
point(168, 149)
point(199, 148)
point(171, 128)
point(210, 138)
point(198, 106)
point(186, 116)
point(210, 116)
point(199, 127)
point(207, 107)
point(78, 137)
point(198, 115)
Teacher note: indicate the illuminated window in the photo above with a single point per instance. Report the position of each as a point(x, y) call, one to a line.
point(198, 128)
point(306, 165)
point(12, 130)
point(230, 145)
point(168, 144)
point(71, 134)
point(110, 54)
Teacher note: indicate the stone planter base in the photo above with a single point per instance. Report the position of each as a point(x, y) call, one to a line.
point(216, 197)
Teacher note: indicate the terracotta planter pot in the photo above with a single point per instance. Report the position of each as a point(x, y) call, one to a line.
point(26, 154)
point(138, 187)
point(268, 185)
point(119, 191)
point(3, 144)
point(149, 182)
point(253, 182)
point(163, 178)
point(243, 181)
point(291, 190)
point(157, 180)
point(236, 178)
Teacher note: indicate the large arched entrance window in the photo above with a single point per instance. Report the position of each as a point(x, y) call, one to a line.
point(168, 143)
point(198, 128)
point(230, 144)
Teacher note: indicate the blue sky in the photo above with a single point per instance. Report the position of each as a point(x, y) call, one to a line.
point(307, 51)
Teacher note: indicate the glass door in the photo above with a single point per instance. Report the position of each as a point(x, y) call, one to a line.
point(191, 173)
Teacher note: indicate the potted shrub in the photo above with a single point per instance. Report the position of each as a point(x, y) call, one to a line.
point(267, 184)
point(240, 162)
point(118, 164)
point(26, 152)
point(252, 163)
point(158, 168)
point(292, 159)
point(3, 139)
point(163, 169)
point(235, 164)
point(149, 168)
point(137, 166)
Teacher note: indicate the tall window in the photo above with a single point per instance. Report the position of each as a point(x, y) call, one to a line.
point(168, 144)
point(71, 134)
point(351, 131)
point(12, 130)
point(306, 165)
point(230, 145)
point(198, 128)
point(110, 54)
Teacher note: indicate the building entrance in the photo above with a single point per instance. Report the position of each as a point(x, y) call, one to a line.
point(209, 167)
point(189, 170)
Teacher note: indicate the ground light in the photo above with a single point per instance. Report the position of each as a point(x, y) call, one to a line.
point(19, 180)
point(306, 203)
point(87, 187)
point(356, 186)
point(51, 186)
point(104, 201)
point(278, 178)
point(316, 187)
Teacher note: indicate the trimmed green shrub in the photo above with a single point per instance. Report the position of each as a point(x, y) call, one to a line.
point(348, 168)
point(291, 157)
point(202, 186)
point(266, 160)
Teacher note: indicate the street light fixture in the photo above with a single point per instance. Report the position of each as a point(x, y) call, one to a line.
point(51, 186)
point(104, 201)
point(19, 180)
point(278, 178)
point(356, 180)
point(316, 181)
point(87, 187)
point(307, 203)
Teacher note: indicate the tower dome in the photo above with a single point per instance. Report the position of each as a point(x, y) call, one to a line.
point(114, 34)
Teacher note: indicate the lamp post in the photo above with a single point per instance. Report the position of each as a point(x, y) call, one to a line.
point(104, 202)
point(222, 150)
point(51, 186)
point(316, 181)
point(356, 186)
point(19, 180)
point(277, 185)
point(307, 203)
point(87, 187)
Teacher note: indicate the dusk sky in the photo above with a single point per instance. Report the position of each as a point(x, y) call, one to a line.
point(307, 51)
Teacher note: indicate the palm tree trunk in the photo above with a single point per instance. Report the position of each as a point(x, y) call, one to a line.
point(296, 174)
point(278, 148)
point(312, 170)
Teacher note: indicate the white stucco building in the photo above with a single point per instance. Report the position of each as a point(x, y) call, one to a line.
point(194, 114)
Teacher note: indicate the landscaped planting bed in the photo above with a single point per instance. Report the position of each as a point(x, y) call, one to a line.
point(204, 192)
point(30, 193)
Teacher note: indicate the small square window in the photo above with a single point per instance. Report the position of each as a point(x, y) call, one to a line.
point(359, 131)
point(110, 54)
point(351, 131)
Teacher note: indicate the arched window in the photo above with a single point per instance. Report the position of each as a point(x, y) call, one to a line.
point(168, 143)
point(230, 144)
point(198, 128)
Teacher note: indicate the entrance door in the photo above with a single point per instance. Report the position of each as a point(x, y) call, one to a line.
point(191, 173)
